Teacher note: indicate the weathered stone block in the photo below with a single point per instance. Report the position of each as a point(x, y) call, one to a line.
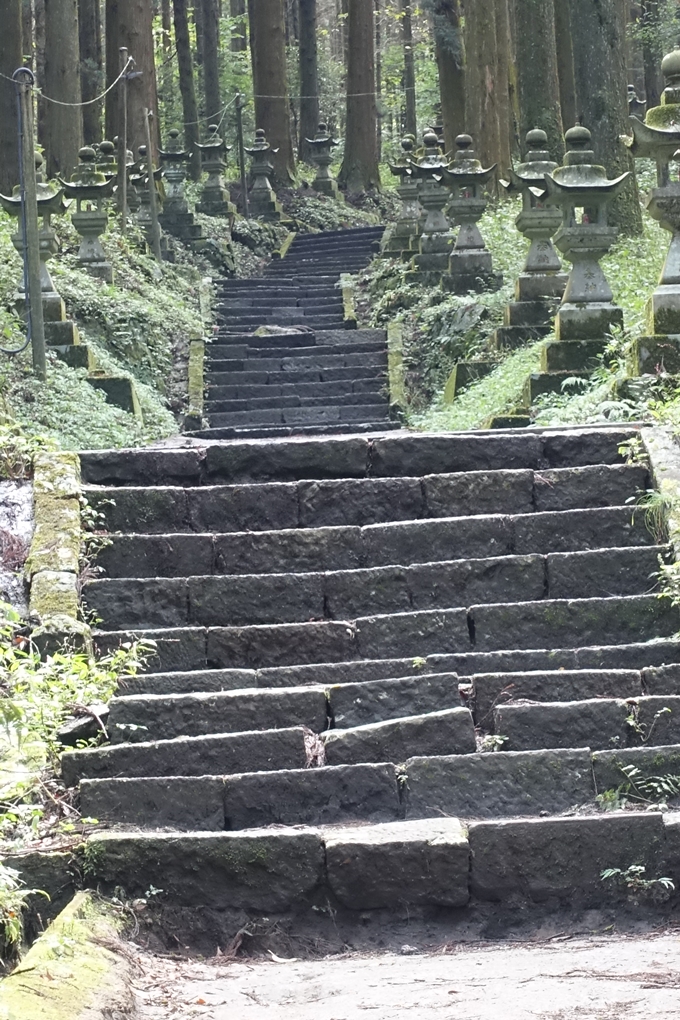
point(356, 704)
point(594, 723)
point(602, 572)
point(571, 355)
point(417, 863)
point(320, 796)
point(561, 857)
point(271, 871)
point(502, 783)
point(593, 321)
point(359, 502)
point(478, 492)
point(414, 634)
point(584, 487)
point(179, 802)
point(447, 732)
point(651, 355)
point(650, 761)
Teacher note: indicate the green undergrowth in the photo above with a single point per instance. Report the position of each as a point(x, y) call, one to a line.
point(36, 696)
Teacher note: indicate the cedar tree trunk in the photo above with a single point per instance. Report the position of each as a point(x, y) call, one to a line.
point(360, 170)
point(410, 118)
point(237, 9)
point(537, 77)
point(63, 125)
point(211, 60)
point(186, 86)
point(309, 77)
point(130, 23)
point(270, 83)
point(10, 60)
point(91, 67)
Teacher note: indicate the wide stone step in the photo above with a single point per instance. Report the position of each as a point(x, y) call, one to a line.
point(600, 723)
point(317, 350)
point(345, 594)
point(429, 862)
point(220, 754)
point(319, 360)
point(345, 428)
point(180, 664)
point(301, 415)
point(293, 374)
point(398, 455)
point(284, 388)
point(529, 625)
point(212, 407)
point(331, 548)
point(358, 502)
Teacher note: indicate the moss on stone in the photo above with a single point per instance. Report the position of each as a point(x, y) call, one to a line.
point(68, 969)
point(57, 535)
point(664, 117)
point(196, 376)
point(54, 593)
point(57, 474)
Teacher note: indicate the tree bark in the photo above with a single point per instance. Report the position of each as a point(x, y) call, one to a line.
point(91, 67)
point(481, 94)
point(270, 83)
point(360, 170)
point(187, 86)
point(505, 125)
point(10, 60)
point(597, 30)
point(27, 33)
point(166, 24)
point(239, 43)
point(211, 60)
point(309, 77)
point(378, 78)
point(565, 63)
point(537, 77)
point(130, 23)
point(450, 55)
point(410, 118)
point(652, 54)
point(63, 125)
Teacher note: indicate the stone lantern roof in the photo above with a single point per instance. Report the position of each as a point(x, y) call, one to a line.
point(87, 181)
point(50, 196)
point(466, 169)
point(659, 136)
point(404, 168)
point(537, 163)
point(174, 153)
point(581, 182)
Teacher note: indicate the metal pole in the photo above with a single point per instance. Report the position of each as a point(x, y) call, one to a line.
point(122, 142)
point(242, 155)
point(29, 215)
point(153, 205)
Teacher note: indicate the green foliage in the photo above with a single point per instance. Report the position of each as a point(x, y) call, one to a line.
point(633, 880)
point(639, 789)
point(17, 451)
point(36, 696)
point(13, 897)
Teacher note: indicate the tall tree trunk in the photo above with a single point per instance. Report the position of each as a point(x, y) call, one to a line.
point(166, 25)
point(410, 119)
point(537, 77)
point(237, 9)
point(597, 30)
point(129, 23)
point(91, 67)
point(39, 23)
point(652, 51)
point(450, 54)
point(481, 93)
point(186, 86)
point(378, 78)
point(565, 63)
point(503, 82)
point(309, 77)
point(28, 55)
point(10, 60)
point(63, 125)
point(211, 59)
point(270, 82)
point(359, 169)
point(200, 34)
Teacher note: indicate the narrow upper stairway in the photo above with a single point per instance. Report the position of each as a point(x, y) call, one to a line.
point(315, 375)
point(409, 630)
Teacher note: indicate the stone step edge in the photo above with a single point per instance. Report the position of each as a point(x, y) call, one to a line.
point(511, 784)
point(426, 863)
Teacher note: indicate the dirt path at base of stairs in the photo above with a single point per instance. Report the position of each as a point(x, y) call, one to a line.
point(606, 978)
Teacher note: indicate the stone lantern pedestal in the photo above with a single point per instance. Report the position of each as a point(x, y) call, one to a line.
point(437, 238)
point(540, 285)
point(401, 241)
point(90, 189)
point(587, 313)
point(658, 138)
point(177, 218)
point(215, 197)
point(322, 156)
point(262, 198)
point(470, 263)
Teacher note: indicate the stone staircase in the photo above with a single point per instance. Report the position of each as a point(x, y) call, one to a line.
point(321, 376)
point(390, 670)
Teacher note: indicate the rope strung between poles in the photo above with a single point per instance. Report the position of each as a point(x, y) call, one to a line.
point(88, 102)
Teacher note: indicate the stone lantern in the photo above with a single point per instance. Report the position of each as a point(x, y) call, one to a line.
point(658, 138)
point(215, 197)
point(322, 157)
point(470, 263)
point(437, 238)
point(540, 285)
point(59, 330)
point(587, 313)
point(262, 198)
point(90, 189)
point(402, 239)
point(177, 218)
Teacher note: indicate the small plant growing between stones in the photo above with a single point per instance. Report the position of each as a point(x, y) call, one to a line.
point(633, 879)
point(419, 663)
point(650, 791)
point(93, 524)
point(633, 451)
point(644, 732)
point(13, 896)
point(657, 507)
point(493, 742)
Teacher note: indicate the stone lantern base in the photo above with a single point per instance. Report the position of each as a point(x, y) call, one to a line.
point(655, 355)
point(264, 205)
point(327, 186)
point(471, 269)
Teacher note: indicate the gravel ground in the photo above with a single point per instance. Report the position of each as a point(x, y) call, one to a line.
point(564, 978)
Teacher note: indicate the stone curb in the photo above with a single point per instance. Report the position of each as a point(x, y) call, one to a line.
point(52, 567)
point(281, 252)
point(193, 418)
point(664, 458)
point(395, 366)
point(68, 974)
